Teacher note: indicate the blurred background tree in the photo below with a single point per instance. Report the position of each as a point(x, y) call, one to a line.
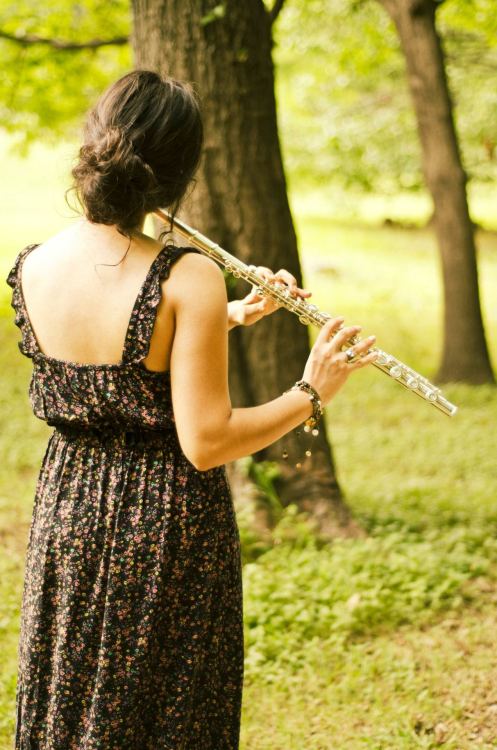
point(345, 110)
point(465, 354)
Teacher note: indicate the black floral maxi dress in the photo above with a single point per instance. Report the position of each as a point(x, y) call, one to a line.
point(131, 626)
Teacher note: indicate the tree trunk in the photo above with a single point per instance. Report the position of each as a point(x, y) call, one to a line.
point(465, 354)
point(240, 200)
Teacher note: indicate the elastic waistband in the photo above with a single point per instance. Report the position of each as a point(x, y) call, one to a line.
point(121, 436)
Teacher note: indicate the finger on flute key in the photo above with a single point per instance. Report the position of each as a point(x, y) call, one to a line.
point(364, 345)
point(363, 361)
point(328, 329)
point(343, 337)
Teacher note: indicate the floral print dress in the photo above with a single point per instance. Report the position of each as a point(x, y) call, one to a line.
point(131, 625)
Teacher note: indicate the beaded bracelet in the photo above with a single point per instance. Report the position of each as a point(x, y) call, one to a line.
point(310, 424)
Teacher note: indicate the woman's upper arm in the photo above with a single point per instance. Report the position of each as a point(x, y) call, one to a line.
point(199, 354)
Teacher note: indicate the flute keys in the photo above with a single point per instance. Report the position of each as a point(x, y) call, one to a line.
point(382, 359)
point(396, 371)
point(430, 392)
point(412, 383)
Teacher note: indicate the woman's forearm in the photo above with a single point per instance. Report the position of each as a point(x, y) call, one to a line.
point(248, 430)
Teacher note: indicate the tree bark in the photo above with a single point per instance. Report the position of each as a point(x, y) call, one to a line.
point(465, 354)
point(240, 200)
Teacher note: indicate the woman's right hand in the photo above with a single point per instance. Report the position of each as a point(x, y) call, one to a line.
point(327, 367)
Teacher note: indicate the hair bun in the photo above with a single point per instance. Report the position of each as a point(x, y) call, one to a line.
point(111, 174)
point(115, 150)
point(142, 146)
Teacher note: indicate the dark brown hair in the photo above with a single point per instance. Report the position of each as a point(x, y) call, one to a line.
point(142, 146)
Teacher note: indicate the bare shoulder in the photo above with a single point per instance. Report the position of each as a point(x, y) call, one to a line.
point(45, 255)
point(195, 273)
point(196, 263)
point(56, 241)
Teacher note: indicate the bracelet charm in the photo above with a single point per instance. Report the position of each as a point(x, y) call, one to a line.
point(310, 424)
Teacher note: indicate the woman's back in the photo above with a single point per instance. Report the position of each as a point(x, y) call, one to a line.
point(80, 294)
point(93, 360)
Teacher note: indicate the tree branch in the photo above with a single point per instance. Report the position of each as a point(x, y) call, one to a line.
point(275, 10)
point(60, 44)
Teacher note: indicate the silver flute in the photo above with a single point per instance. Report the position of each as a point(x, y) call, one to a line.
point(310, 314)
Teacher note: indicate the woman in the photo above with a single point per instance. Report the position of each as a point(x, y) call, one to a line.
point(131, 628)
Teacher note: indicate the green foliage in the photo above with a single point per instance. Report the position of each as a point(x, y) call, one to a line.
point(345, 112)
point(350, 589)
point(46, 91)
point(285, 525)
point(469, 31)
point(342, 95)
point(263, 474)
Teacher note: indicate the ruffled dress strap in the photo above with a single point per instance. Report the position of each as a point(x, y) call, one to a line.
point(143, 315)
point(28, 344)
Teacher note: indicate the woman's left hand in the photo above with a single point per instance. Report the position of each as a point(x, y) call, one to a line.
point(253, 307)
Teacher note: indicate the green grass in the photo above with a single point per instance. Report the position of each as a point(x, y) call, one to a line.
point(381, 643)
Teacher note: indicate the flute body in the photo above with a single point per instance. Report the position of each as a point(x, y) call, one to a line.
point(310, 314)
